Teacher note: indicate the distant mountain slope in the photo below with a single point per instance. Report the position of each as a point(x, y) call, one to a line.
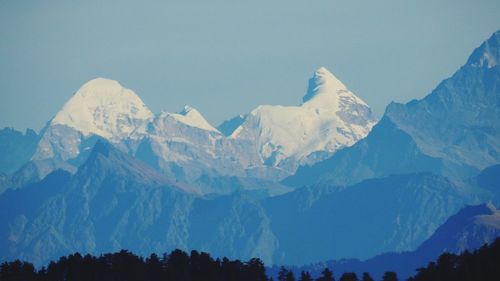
point(489, 178)
point(396, 213)
point(114, 201)
point(185, 147)
point(453, 131)
point(4, 182)
point(387, 150)
point(16, 149)
point(468, 229)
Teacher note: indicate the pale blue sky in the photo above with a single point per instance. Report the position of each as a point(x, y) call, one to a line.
point(225, 57)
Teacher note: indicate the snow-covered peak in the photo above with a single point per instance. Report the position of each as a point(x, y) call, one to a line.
point(326, 92)
point(191, 117)
point(323, 82)
point(99, 86)
point(104, 107)
point(331, 117)
point(187, 109)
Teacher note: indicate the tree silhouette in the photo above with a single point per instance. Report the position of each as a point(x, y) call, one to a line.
point(154, 268)
point(255, 270)
point(390, 276)
point(17, 270)
point(305, 276)
point(482, 264)
point(366, 277)
point(283, 274)
point(349, 276)
point(177, 266)
point(326, 275)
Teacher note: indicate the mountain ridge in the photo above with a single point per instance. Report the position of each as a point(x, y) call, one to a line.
point(185, 146)
point(454, 128)
point(447, 238)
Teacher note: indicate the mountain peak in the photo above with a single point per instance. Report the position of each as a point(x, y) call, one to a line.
point(192, 112)
point(103, 107)
point(99, 85)
point(488, 54)
point(330, 117)
point(187, 109)
point(323, 82)
point(191, 117)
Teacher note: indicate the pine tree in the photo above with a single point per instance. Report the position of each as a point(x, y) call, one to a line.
point(305, 276)
point(255, 270)
point(349, 276)
point(390, 276)
point(282, 274)
point(327, 275)
point(366, 277)
point(290, 276)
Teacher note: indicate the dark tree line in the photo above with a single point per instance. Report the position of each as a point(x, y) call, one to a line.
point(327, 275)
point(483, 264)
point(125, 266)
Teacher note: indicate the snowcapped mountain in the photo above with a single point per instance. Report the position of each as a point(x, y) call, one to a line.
point(268, 143)
point(102, 108)
point(330, 117)
point(123, 194)
point(105, 108)
point(185, 146)
point(454, 131)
